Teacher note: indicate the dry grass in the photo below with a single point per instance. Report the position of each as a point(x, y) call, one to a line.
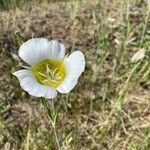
point(109, 109)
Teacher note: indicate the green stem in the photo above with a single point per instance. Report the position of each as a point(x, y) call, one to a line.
point(52, 116)
point(126, 86)
point(145, 26)
point(56, 137)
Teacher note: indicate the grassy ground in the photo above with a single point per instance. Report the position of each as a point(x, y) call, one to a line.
point(109, 109)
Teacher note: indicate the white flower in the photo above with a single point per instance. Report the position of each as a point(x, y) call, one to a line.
point(50, 70)
point(138, 55)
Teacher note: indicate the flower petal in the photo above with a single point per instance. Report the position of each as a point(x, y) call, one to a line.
point(38, 49)
point(138, 55)
point(75, 65)
point(29, 84)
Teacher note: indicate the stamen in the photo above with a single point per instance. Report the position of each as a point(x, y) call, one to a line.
point(49, 73)
point(41, 74)
point(55, 71)
point(45, 80)
point(54, 81)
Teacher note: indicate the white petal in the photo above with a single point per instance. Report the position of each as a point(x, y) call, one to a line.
point(38, 49)
point(138, 55)
point(74, 65)
point(29, 84)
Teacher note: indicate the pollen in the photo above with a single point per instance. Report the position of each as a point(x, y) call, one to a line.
point(49, 72)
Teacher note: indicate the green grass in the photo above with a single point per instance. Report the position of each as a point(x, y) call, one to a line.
point(109, 107)
point(13, 4)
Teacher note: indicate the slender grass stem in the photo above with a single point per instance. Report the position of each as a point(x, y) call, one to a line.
point(145, 25)
point(126, 86)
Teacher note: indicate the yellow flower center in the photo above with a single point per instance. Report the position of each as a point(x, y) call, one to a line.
point(49, 72)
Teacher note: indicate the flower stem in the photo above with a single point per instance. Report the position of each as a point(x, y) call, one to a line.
point(52, 116)
point(56, 137)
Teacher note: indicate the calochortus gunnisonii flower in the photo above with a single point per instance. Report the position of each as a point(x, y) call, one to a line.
point(50, 70)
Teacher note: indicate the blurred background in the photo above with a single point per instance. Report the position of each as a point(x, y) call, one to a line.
point(109, 109)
